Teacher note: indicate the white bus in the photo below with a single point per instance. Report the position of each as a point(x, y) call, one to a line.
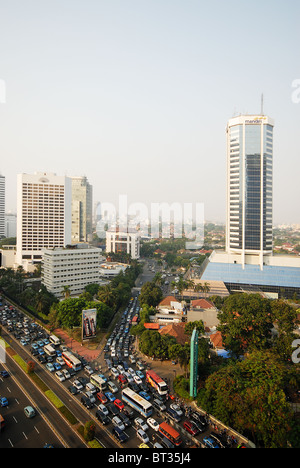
point(137, 402)
point(54, 340)
point(50, 350)
point(71, 361)
point(98, 381)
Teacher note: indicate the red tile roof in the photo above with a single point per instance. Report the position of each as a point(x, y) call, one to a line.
point(176, 330)
point(202, 303)
point(167, 301)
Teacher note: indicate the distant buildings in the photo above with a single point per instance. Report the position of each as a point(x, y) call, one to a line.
point(70, 268)
point(125, 241)
point(10, 225)
point(43, 215)
point(2, 206)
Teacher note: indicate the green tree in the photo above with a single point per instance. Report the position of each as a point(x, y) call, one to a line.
point(150, 294)
point(249, 396)
point(190, 326)
point(89, 431)
point(245, 323)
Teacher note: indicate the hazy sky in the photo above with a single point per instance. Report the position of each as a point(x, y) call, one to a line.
point(136, 94)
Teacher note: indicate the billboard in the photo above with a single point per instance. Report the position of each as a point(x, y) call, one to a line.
point(89, 320)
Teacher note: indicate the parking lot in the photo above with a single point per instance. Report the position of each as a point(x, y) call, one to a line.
point(99, 387)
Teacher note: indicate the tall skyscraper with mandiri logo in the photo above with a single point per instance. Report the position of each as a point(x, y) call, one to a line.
point(250, 186)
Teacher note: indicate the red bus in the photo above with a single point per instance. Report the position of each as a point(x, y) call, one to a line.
point(170, 433)
point(71, 361)
point(157, 382)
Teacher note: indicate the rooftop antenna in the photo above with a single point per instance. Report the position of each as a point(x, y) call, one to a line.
point(262, 104)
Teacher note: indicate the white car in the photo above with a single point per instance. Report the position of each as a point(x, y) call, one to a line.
point(60, 361)
point(140, 424)
point(66, 373)
point(137, 380)
point(114, 372)
point(103, 408)
point(131, 371)
point(128, 377)
point(60, 376)
point(176, 408)
point(77, 385)
point(142, 436)
point(90, 388)
point(153, 424)
point(118, 423)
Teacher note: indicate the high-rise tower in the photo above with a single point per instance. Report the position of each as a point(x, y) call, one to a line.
point(249, 186)
point(43, 215)
point(82, 210)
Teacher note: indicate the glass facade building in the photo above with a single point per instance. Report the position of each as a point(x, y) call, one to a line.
point(249, 185)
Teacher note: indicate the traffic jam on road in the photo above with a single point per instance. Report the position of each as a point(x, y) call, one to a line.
point(128, 399)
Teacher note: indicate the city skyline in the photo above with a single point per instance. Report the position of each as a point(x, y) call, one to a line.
point(137, 98)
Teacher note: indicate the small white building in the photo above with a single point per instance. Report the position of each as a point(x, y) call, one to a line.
point(127, 241)
point(74, 267)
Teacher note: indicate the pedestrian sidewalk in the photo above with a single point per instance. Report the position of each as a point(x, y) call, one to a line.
point(77, 347)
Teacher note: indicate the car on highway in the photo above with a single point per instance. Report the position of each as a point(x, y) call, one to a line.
point(176, 408)
point(3, 402)
point(173, 415)
point(210, 442)
point(153, 424)
point(141, 424)
point(50, 367)
point(118, 423)
point(60, 376)
point(103, 409)
point(101, 397)
point(110, 396)
point(137, 379)
point(145, 396)
point(142, 436)
point(191, 427)
point(119, 404)
point(29, 411)
point(102, 417)
point(78, 385)
point(86, 402)
point(119, 435)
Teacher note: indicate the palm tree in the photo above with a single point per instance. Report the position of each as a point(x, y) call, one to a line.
point(206, 288)
point(198, 287)
point(107, 295)
point(66, 291)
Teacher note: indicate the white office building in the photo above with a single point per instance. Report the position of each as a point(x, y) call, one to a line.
point(2, 206)
point(126, 241)
point(73, 268)
point(250, 186)
point(43, 215)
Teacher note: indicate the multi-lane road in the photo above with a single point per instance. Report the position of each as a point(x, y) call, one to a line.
point(48, 426)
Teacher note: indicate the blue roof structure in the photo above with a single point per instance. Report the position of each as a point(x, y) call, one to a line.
point(276, 276)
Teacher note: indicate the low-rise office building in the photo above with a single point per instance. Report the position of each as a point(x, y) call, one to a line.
point(123, 241)
point(73, 268)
